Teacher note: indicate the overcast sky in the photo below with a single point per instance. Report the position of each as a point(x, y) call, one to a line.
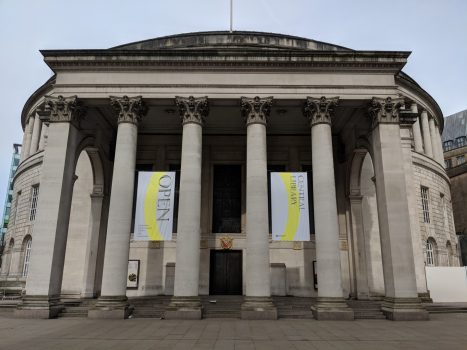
point(434, 30)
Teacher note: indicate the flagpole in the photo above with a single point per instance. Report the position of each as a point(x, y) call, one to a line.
point(231, 14)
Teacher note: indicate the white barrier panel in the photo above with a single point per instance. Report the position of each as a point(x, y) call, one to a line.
point(447, 284)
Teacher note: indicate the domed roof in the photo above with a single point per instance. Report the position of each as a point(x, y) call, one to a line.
point(226, 39)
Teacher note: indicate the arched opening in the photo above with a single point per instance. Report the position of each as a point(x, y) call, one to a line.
point(366, 244)
point(26, 255)
point(86, 232)
point(431, 252)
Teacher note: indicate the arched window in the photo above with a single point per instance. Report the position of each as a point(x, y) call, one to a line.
point(430, 252)
point(27, 255)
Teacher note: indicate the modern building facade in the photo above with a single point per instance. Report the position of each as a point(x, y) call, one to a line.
point(9, 193)
point(222, 110)
point(455, 154)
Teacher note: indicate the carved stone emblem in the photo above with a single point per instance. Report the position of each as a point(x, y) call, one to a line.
point(256, 110)
point(128, 109)
point(192, 110)
point(384, 110)
point(226, 242)
point(320, 110)
point(62, 109)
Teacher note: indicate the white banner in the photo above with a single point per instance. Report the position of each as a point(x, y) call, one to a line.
point(154, 206)
point(289, 207)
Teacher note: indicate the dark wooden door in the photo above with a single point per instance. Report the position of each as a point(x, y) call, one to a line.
point(226, 272)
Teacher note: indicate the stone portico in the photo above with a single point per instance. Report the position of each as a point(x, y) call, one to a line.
point(222, 110)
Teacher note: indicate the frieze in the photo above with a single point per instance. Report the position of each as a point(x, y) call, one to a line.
point(320, 110)
point(192, 109)
point(256, 110)
point(128, 109)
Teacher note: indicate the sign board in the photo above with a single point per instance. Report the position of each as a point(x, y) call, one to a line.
point(289, 206)
point(133, 274)
point(154, 206)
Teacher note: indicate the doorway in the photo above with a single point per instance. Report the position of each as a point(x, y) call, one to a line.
point(225, 277)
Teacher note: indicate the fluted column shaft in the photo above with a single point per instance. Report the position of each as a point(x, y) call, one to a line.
point(439, 146)
point(43, 136)
point(426, 134)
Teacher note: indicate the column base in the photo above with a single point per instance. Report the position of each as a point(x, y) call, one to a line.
point(332, 309)
point(425, 298)
point(184, 308)
point(110, 308)
point(404, 309)
point(258, 308)
point(39, 306)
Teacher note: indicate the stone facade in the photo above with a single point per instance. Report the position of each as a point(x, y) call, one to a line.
point(360, 129)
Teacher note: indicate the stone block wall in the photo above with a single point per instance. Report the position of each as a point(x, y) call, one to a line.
point(441, 225)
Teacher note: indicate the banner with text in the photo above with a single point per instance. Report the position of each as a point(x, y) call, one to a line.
point(154, 206)
point(289, 207)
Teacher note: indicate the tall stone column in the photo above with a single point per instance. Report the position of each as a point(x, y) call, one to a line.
point(43, 138)
point(27, 137)
point(44, 280)
point(417, 135)
point(185, 303)
point(113, 301)
point(407, 121)
point(36, 132)
point(434, 139)
point(439, 145)
point(401, 301)
point(426, 134)
point(258, 303)
point(330, 304)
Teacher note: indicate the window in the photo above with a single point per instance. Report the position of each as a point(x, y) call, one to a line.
point(27, 256)
point(461, 141)
point(430, 253)
point(450, 255)
point(448, 145)
point(460, 159)
point(448, 163)
point(425, 207)
point(34, 197)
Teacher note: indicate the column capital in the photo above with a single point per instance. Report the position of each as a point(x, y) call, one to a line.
point(192, 109)
point(128, 109)
point(384, 110)
point(61, 109)
point(256, 110)
point(320, 110)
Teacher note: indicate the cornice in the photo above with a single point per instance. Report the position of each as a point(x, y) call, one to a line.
point(428, 163)
point(405, 80)
point(392, 61)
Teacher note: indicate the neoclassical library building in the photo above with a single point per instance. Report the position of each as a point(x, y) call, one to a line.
point(221, 113)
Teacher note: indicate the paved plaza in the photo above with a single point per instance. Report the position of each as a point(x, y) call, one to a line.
point(442, 332)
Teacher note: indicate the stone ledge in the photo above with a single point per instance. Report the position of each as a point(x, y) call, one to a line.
point(258, 308)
